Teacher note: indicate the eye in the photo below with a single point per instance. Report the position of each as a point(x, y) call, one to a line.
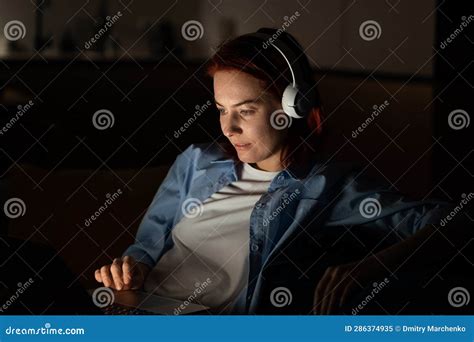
point(221, 111)
point(246, 112)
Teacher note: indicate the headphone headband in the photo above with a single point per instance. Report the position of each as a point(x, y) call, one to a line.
point(298, 97)
point(290, 57)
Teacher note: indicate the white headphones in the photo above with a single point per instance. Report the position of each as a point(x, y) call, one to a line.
point(298, 97)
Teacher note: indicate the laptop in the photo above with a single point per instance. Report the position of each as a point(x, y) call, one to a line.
point(34, 280)
point(135, 302)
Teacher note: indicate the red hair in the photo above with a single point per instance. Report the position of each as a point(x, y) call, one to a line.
point(246, 54)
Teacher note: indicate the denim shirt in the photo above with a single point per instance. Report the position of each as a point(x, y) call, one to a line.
point(289, 224)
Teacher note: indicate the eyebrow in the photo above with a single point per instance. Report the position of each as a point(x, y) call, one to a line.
point(257, 100)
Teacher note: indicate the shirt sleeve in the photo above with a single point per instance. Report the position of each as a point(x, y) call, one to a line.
point(158, 220)
point(362, 201)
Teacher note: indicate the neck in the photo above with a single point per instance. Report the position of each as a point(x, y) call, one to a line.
point(266, 168)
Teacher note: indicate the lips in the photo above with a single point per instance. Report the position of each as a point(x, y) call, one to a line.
point(242, 146)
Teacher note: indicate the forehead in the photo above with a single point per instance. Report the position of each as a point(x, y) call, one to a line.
point(234, 85)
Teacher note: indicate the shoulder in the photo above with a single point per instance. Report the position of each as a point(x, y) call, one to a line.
point(340, 178)
point(332, 173)
point(195, 160)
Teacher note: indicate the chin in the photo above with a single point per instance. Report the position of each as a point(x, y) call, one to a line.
point(247, 159)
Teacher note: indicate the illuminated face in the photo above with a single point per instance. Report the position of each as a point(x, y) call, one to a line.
point(245, 112)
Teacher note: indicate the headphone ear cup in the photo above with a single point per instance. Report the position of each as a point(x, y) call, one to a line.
point(289, 101)
point(305, 100)
point(298, 102)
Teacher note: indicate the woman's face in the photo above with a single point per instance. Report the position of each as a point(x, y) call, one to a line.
point(245, 111)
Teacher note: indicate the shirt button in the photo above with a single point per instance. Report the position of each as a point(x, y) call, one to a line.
point(254, 247)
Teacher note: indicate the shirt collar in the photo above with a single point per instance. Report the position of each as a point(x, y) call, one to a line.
point(294, 171)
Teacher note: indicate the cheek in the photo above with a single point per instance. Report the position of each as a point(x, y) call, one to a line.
point(221, 122)
point(270, 136)
point(257, 132)
point(265, 135)
point(264, 128)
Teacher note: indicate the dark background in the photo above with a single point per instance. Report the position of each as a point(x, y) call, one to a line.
point(152, 79)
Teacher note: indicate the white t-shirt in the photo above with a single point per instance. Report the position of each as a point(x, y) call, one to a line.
point(208, 263)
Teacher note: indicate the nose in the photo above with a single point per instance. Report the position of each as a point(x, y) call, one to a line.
point(231, 126)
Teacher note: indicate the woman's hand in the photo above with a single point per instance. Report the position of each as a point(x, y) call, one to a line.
point(123, 274)
point(339, 283)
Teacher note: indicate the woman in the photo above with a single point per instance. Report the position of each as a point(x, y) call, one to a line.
point(250, 224)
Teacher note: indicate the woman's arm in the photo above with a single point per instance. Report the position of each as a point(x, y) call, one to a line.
point(158, 220)
point(130, 271)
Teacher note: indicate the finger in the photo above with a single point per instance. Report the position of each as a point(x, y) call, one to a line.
point(333, 301)
point(127, 272)
point(128, 262)
point(116, 270)
point(105, 275)
point(324, 300)
point(97, 276)
point(346, 294)
point(320, 291)
point(351, 285)
point(329, 292)
point(319, 295)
